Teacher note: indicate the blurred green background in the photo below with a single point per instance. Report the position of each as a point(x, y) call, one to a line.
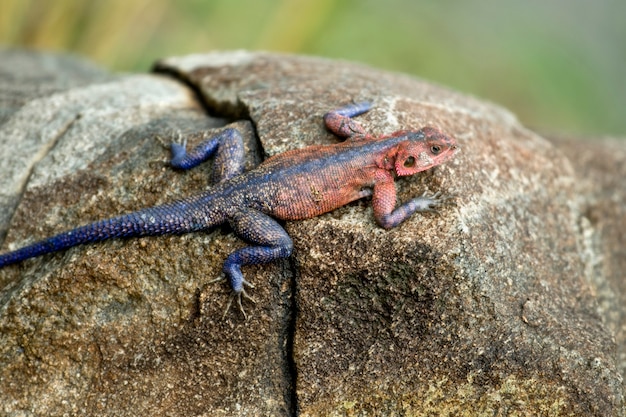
point(560, 65)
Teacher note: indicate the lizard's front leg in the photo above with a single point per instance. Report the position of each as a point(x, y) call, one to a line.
point(384, 203)
point(269, 242)
point(340, 121)
point(227, 147)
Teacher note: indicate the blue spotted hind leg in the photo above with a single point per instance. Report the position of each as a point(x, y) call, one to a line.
point(269, 242)
point(228, 149)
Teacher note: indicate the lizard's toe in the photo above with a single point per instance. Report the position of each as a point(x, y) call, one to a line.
point(239, 296)
point(221, 278)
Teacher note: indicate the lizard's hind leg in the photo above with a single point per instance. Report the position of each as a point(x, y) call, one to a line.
point(269, 242)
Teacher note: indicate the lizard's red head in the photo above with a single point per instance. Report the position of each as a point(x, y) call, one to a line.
point(422, 150)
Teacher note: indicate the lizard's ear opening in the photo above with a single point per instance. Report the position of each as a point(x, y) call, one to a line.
point(423, 150)
point(406, 162)
point(409, 162)
point(409, 158)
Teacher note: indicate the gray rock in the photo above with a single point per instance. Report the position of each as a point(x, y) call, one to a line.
point(600, 166)
point(488, 309)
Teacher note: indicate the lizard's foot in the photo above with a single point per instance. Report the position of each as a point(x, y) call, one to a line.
point(431, 203)
point(426, 203)
point(173, 137)
point(238, 296)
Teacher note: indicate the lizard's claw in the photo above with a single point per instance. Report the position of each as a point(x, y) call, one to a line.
point(162, 141)
point(180, 140)
point(166, 140)
point(239, 296)
point(236, 294)
point(434, 201)
point(221, 278)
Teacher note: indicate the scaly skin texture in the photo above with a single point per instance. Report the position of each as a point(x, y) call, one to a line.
point(295, 185)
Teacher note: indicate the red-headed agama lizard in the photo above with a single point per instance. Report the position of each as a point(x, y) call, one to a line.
point(295, 185)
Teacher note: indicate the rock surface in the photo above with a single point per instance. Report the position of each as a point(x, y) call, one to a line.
point(489, 309)
point(600, 166)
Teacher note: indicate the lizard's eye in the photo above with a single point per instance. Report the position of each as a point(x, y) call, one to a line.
point(409, 162)
point(435, 149)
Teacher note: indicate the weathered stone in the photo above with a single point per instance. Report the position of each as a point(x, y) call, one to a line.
point(487, 309)
point(600, 169)
point(112, 329)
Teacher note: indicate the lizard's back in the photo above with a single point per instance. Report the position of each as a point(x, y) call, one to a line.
point(304, 183)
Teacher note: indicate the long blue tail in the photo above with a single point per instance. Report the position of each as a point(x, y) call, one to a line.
point(175, 218)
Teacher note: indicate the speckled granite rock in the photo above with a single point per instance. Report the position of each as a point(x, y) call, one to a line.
point(489, 308)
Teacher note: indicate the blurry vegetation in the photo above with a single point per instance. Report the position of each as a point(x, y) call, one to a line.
point(559, 65)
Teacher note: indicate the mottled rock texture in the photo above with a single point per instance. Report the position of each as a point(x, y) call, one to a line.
point(506, 304)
